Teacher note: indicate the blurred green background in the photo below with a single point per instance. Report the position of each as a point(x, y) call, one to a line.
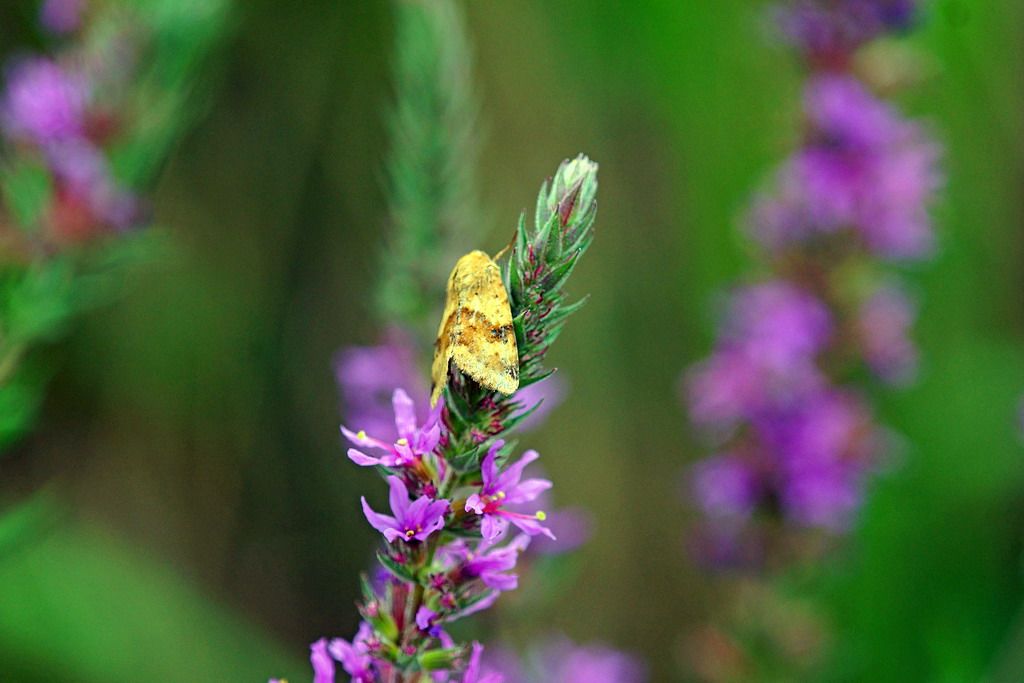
point(191, 515)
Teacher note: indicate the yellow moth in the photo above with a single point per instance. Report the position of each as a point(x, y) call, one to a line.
point(476, 330)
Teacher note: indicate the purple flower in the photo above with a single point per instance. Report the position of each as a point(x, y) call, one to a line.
point(823, 453)
point(367, 376)
point(413, 442)
point(864, 169)
point(61, 16)
point(884, 327)
point(323, 665)
point(828, 30)
point(726, 486)
point(572, 527)
point(412, 521)
point(505, 488)
point(355, 657)
point(475, 671)
point(560, 660)
point(777, 324)
point(773, 332)
point(546, 395)
point(426, 621)
point(44, 103)
point(493, 565)
point(570, 663)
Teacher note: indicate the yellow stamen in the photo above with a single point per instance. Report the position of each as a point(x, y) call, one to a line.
point(402, 442)
point(541, 515)
point(500, 495)
point(361, 434)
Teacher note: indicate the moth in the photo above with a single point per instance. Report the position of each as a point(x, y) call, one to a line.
point(476, 331)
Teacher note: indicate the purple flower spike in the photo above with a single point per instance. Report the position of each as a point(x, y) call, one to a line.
point(412, 442)
point(412, 521)
point(505, 488)
point(323, 665)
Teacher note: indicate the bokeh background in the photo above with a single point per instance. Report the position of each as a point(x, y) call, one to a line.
point(189, 513)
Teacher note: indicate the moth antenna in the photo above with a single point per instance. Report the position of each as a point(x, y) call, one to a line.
point(504, 250)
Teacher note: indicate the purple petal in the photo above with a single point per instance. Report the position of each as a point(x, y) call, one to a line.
point(508, 479)
point(492, 527)
point(361, 439)
point(382, 523)
point(487, 467)
point(526, 491)
point(405, 413)
point(323, 665)
point(398, 497)
point(531, 525)
point(363, 460)
point(475, 504)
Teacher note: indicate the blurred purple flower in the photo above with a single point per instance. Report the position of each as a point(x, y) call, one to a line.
point(367, 376)
point(504, 488)
point(864, 168)
point(412, 443)
point(824, 452)
point(413, 521)
point(476, 672)
point(61, 16)
point(570, 663)
point(829, 31)
point(559, 660)
point(572, 527)
point(884, 326)
point(772, 333)
point(725, 486)
point(44, 103)
point(547, 395)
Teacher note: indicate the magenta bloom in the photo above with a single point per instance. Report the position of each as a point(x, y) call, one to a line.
point(566, 662)
point(492, 565)
point(767, 354)
point(726, 486)
point(505, 488)
point(829, 30)
point(475, 671)
point(413, 521)
point(865, 170)
point(355, 657)
point(323, 665)
point(44, 103)
point(824, 452)
point(367, 377)
point(546, 395)
point(413, 442)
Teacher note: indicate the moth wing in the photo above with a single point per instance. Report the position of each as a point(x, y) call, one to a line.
point(484, 342)
point(444, 345)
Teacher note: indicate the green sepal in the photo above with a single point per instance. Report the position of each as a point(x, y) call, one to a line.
point(400, 571)
point(440, 660)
